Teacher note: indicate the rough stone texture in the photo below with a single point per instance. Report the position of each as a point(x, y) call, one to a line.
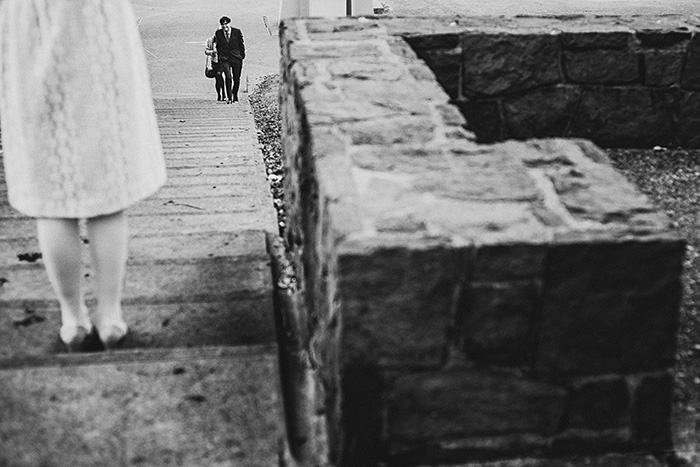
point(689, 120)
point(398, 306)
point(443, 54)
point(499, 321)
point(624, 117)
point(605, 39)
point(483, 117)
point(503, 63)
point(544, 111)
point(608, 307)
point(651, 408)
point(448, 404)
point(601, 66)
point(599, 403)
point(468, 301)
point(609, 79)
point(662, 68)
point(691, 72)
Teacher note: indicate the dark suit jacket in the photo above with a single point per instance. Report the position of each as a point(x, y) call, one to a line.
point(232, 49)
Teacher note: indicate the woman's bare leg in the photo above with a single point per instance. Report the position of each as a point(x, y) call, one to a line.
point(108, 237)
point(59, 241)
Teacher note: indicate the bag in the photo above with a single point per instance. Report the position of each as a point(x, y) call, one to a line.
point(208, 70)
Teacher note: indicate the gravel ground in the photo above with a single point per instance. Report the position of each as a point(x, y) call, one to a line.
point(264, 100)
point(671, 179)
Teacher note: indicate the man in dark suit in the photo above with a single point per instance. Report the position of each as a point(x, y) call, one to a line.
point(231, 51)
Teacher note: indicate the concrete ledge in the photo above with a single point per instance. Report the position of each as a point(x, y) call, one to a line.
point(466, 301)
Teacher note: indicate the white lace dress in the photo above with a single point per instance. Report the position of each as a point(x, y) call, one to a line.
point(79, 132)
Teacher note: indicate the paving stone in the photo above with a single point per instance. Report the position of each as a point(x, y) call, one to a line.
point(212, 406)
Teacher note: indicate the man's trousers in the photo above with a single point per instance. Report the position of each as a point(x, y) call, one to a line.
point(232, 74)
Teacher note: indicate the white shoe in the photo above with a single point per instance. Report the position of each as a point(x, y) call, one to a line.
point(112, 335)
point(75, 336)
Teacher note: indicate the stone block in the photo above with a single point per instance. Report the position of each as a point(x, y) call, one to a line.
point(651, 408)
point(596, 40)
point(483, 118)
point(546, 111)
point(595, 193)
point(662, 68)
point(343, 29)
point(505, 63)
point(392, 130)
point(689, 120)
point(476, 449)
point(462, 404)
point(556, 153)
point(363, 391)
point(691, 71)
point(623, 117)
point(499, 322)
point(508, 261)
point(601, 66)
point(610, 307)
point(599, 403)
point(422, 42)
point(661, 38)
point(446, 64)
point(451, 115)
point(353, 70)
point(398, 305)
point(479, 178)
point(577, 441)
point(444, 203)
point(364, 50)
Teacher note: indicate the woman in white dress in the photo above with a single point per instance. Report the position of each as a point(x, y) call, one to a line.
point(80, 141)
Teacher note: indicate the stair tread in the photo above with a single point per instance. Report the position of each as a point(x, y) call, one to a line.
point(27, 332)
point(178, 407)
point(160, 248)
point(154, 283)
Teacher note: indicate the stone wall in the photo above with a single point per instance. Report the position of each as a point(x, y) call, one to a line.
point(621, 82)
point(463, 301)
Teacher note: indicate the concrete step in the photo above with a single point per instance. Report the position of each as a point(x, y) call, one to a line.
point(153, 283)
point(184, 407)
point(182, 223)
point(31, 330)
point(173, 205)
point(154, 248)
point(195, 383)
point(179, 291)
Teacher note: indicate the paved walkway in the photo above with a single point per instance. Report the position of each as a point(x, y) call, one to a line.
point(541, 7)
point(196, 379)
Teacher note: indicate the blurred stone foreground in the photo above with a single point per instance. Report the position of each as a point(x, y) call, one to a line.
point(469, 301)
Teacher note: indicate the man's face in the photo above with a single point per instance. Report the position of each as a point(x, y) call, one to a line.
point(226, 27)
